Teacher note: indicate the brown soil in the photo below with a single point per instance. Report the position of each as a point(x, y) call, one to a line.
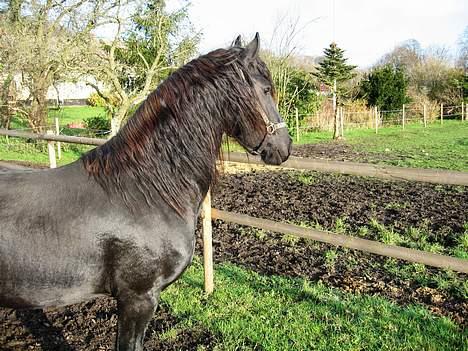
point(281, 196)
point(89, 326)
point(341, 151)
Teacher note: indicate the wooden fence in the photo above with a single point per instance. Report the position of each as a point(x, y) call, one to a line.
point(359, 169)
point(436, 176)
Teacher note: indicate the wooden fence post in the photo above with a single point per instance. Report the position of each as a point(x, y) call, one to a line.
point(424, 116)
point(297, 125)
point(376, 120)
point(57, 132)
point(463, 111)
point(207, 244)
point(51, 150)
point(441, 113)
point(403, 118)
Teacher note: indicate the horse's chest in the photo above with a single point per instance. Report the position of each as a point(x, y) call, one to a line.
point(156, 264)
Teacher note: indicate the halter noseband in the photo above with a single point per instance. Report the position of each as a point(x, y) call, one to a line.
point(271, 129)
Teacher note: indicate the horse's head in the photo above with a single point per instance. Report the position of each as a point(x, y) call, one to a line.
point(265, 134)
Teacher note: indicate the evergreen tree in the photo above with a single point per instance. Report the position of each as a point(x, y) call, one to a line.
point(385, 87)
point(333, 72)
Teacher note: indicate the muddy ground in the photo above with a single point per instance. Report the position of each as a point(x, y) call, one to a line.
point(303, 198)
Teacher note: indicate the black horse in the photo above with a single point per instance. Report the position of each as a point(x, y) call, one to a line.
point(121, 220)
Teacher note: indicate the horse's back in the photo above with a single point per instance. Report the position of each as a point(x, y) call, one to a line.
point(10, 166)
point(39, 232)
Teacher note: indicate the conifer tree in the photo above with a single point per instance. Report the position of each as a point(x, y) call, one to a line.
point(333, 72)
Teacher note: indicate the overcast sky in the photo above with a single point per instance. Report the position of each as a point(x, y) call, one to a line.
point(366, 29)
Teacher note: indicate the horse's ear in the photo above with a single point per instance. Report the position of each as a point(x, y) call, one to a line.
point(238, 42)
point(251, 50)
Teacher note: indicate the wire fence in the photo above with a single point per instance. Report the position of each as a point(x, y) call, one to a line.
point(34, 148)
point(375, 118)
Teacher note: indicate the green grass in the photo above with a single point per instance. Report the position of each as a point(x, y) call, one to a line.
point(248, 311)
point(437, 146)
point(16, 149)
point(66, 115)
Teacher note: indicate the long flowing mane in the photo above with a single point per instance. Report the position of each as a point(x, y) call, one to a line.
point(174, 137)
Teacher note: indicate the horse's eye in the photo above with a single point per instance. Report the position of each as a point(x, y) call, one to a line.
point(267, 90)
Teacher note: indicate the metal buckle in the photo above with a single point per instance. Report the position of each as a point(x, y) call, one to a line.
point(271, 128)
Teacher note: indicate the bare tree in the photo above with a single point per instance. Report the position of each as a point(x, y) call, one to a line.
point(462, 59)
point(281, 56)
point(430, 71)
point(45, 43)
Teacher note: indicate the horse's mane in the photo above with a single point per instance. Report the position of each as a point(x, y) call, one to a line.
point(174, 137)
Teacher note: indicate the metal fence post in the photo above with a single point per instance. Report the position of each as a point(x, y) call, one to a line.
point(376, 120)
point(403, 117)
point(424, 116)
point(441, 113)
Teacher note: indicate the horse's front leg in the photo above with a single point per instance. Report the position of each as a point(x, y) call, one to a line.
point(134, 313)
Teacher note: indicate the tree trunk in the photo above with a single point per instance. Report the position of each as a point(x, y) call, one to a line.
point(336, 115)
point(336, 125)
point(118, 118)
point(38, 114)
point(7, 102)
point(115, 126)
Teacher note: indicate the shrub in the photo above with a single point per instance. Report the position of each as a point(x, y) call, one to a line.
point(98, 124)
point(96, 100)
point(385, 87)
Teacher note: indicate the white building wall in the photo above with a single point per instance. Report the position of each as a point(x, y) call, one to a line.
point(65, 90)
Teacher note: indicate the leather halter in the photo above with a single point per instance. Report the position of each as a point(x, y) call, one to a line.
point(271, 129)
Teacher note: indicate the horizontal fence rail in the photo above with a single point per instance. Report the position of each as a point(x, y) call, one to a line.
point(53, 137)
point(362, 169)
point(353, 168)
point(375, 247)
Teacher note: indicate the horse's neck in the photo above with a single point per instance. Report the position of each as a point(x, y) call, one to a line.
point(191, 159)
point(162, 156)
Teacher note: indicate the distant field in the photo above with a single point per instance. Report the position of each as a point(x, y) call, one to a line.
point(66, 115)
point(437, 146)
